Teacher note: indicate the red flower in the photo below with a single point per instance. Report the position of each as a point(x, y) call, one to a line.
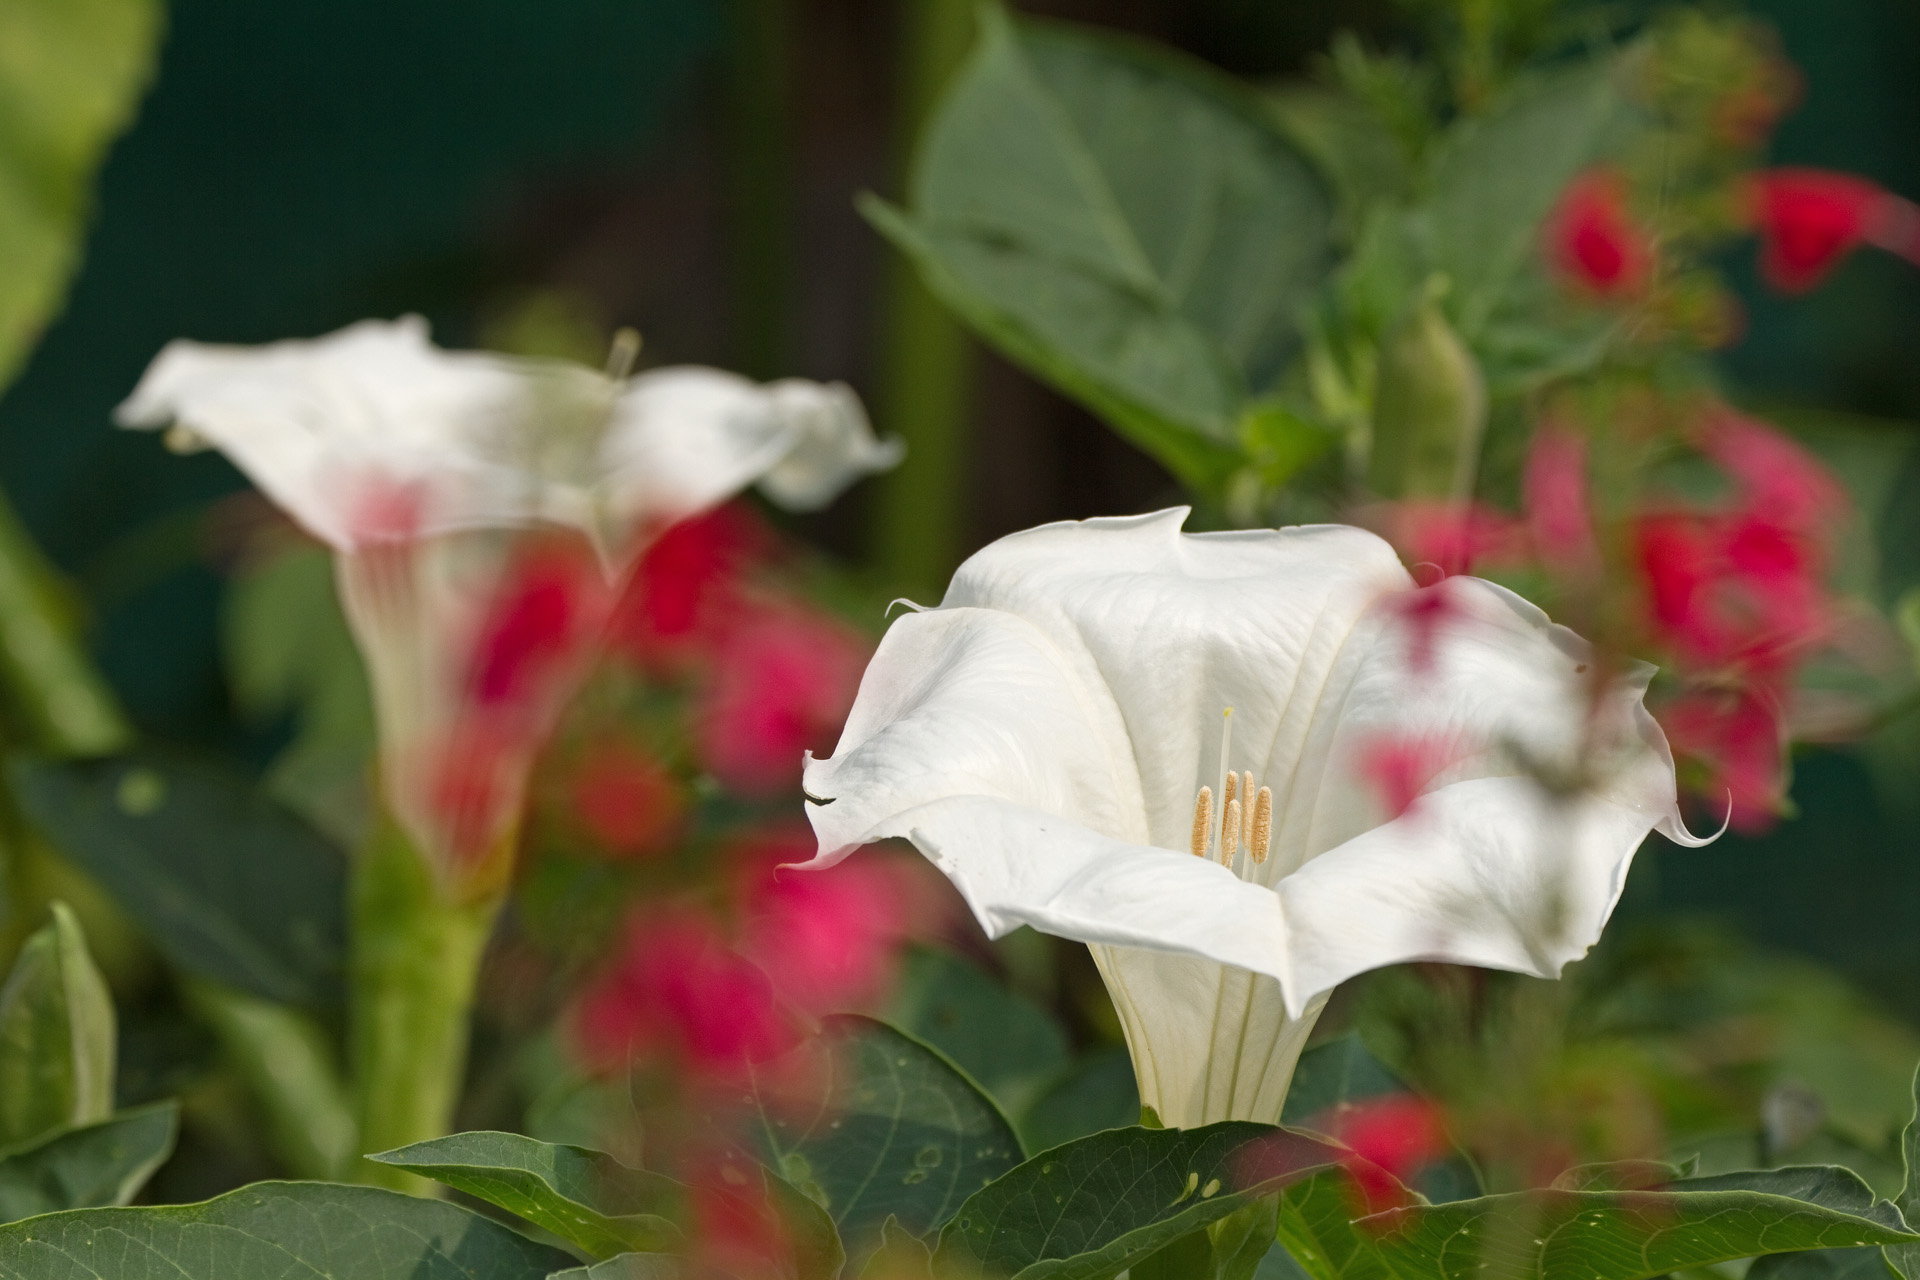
point(1809, 219)
point(627, 799)
point(684, 583)
point(548, 604)
point(1736, 736)
point(679, 990)
point(1391, 1138)
point(1592, 240)
point(782, 680)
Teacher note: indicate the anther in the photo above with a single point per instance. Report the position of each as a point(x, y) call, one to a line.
point(1246, 809)
point(1202, 822)
point(1262, 825)
point(1233, 785)
point(1230, 830)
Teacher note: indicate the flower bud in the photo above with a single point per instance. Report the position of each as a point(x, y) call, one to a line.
point(1429, 409)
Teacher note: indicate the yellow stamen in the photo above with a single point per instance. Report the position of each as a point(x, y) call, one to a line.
point(1230, 830)
point(1246, 809)
point(1262, 825)
point(1202, 822)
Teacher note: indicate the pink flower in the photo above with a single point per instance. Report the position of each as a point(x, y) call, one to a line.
point(1736, 737)
point(1450, 536)
point(1778, 479)
point(781, 681)
point(680, 992)
point(1592, 240)
point(1809, 219)
point(828, 938)
point(1401, 767)
point(1425, 611)
point(627, 799)
point(1558, 513)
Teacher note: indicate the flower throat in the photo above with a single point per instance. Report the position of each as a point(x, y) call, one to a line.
point(1246, 819)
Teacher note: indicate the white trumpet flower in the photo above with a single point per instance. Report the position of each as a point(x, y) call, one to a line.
point(1054, 734)
point(432, 474)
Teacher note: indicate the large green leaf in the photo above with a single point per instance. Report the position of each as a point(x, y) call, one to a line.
point(70, 73)
point(228, 885)
point(88, 1166)
point(1008, 1044)
point(1089, 1208)
point(1630, 1235)
point(1336, 1074)
point(1126, 223)
point(286, 1230)
point(56, 1036)
point(585, 1197)
point(885, 1130)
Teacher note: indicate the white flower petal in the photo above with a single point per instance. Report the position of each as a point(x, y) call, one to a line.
point(1041, 736)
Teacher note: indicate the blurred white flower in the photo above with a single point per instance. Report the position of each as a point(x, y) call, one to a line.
point(374, 433)
point(482, 509)
point(1404, 775)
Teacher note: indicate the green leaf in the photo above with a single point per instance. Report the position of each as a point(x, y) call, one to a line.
point(1316, 1229)
point(815, 1251)
point(70, 74)
point(1098, 1092)
point(229, 886)
point(586, 1198)
point(1003, 1040)
point(886, 1131)
point(296, 1230)
point(1629, 1235)
point(56, 1036)
point(1905, 1258)
point(1125, 222)
point(1091, 1207)
point(288, 651)
point(81, 1168)
point(626, 1266)
point(1823, 1264)
point(902, 1255)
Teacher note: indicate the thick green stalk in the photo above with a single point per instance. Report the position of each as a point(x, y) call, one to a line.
point(416, 953)
point(287, 1060)
point(759, 165)
point(926, 358)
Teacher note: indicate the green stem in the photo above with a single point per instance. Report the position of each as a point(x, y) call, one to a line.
point(926, 359)
point(287, 1061)
point(760, 181)
point(416, 954)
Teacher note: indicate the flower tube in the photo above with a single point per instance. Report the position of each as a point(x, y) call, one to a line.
point(1166, 745)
